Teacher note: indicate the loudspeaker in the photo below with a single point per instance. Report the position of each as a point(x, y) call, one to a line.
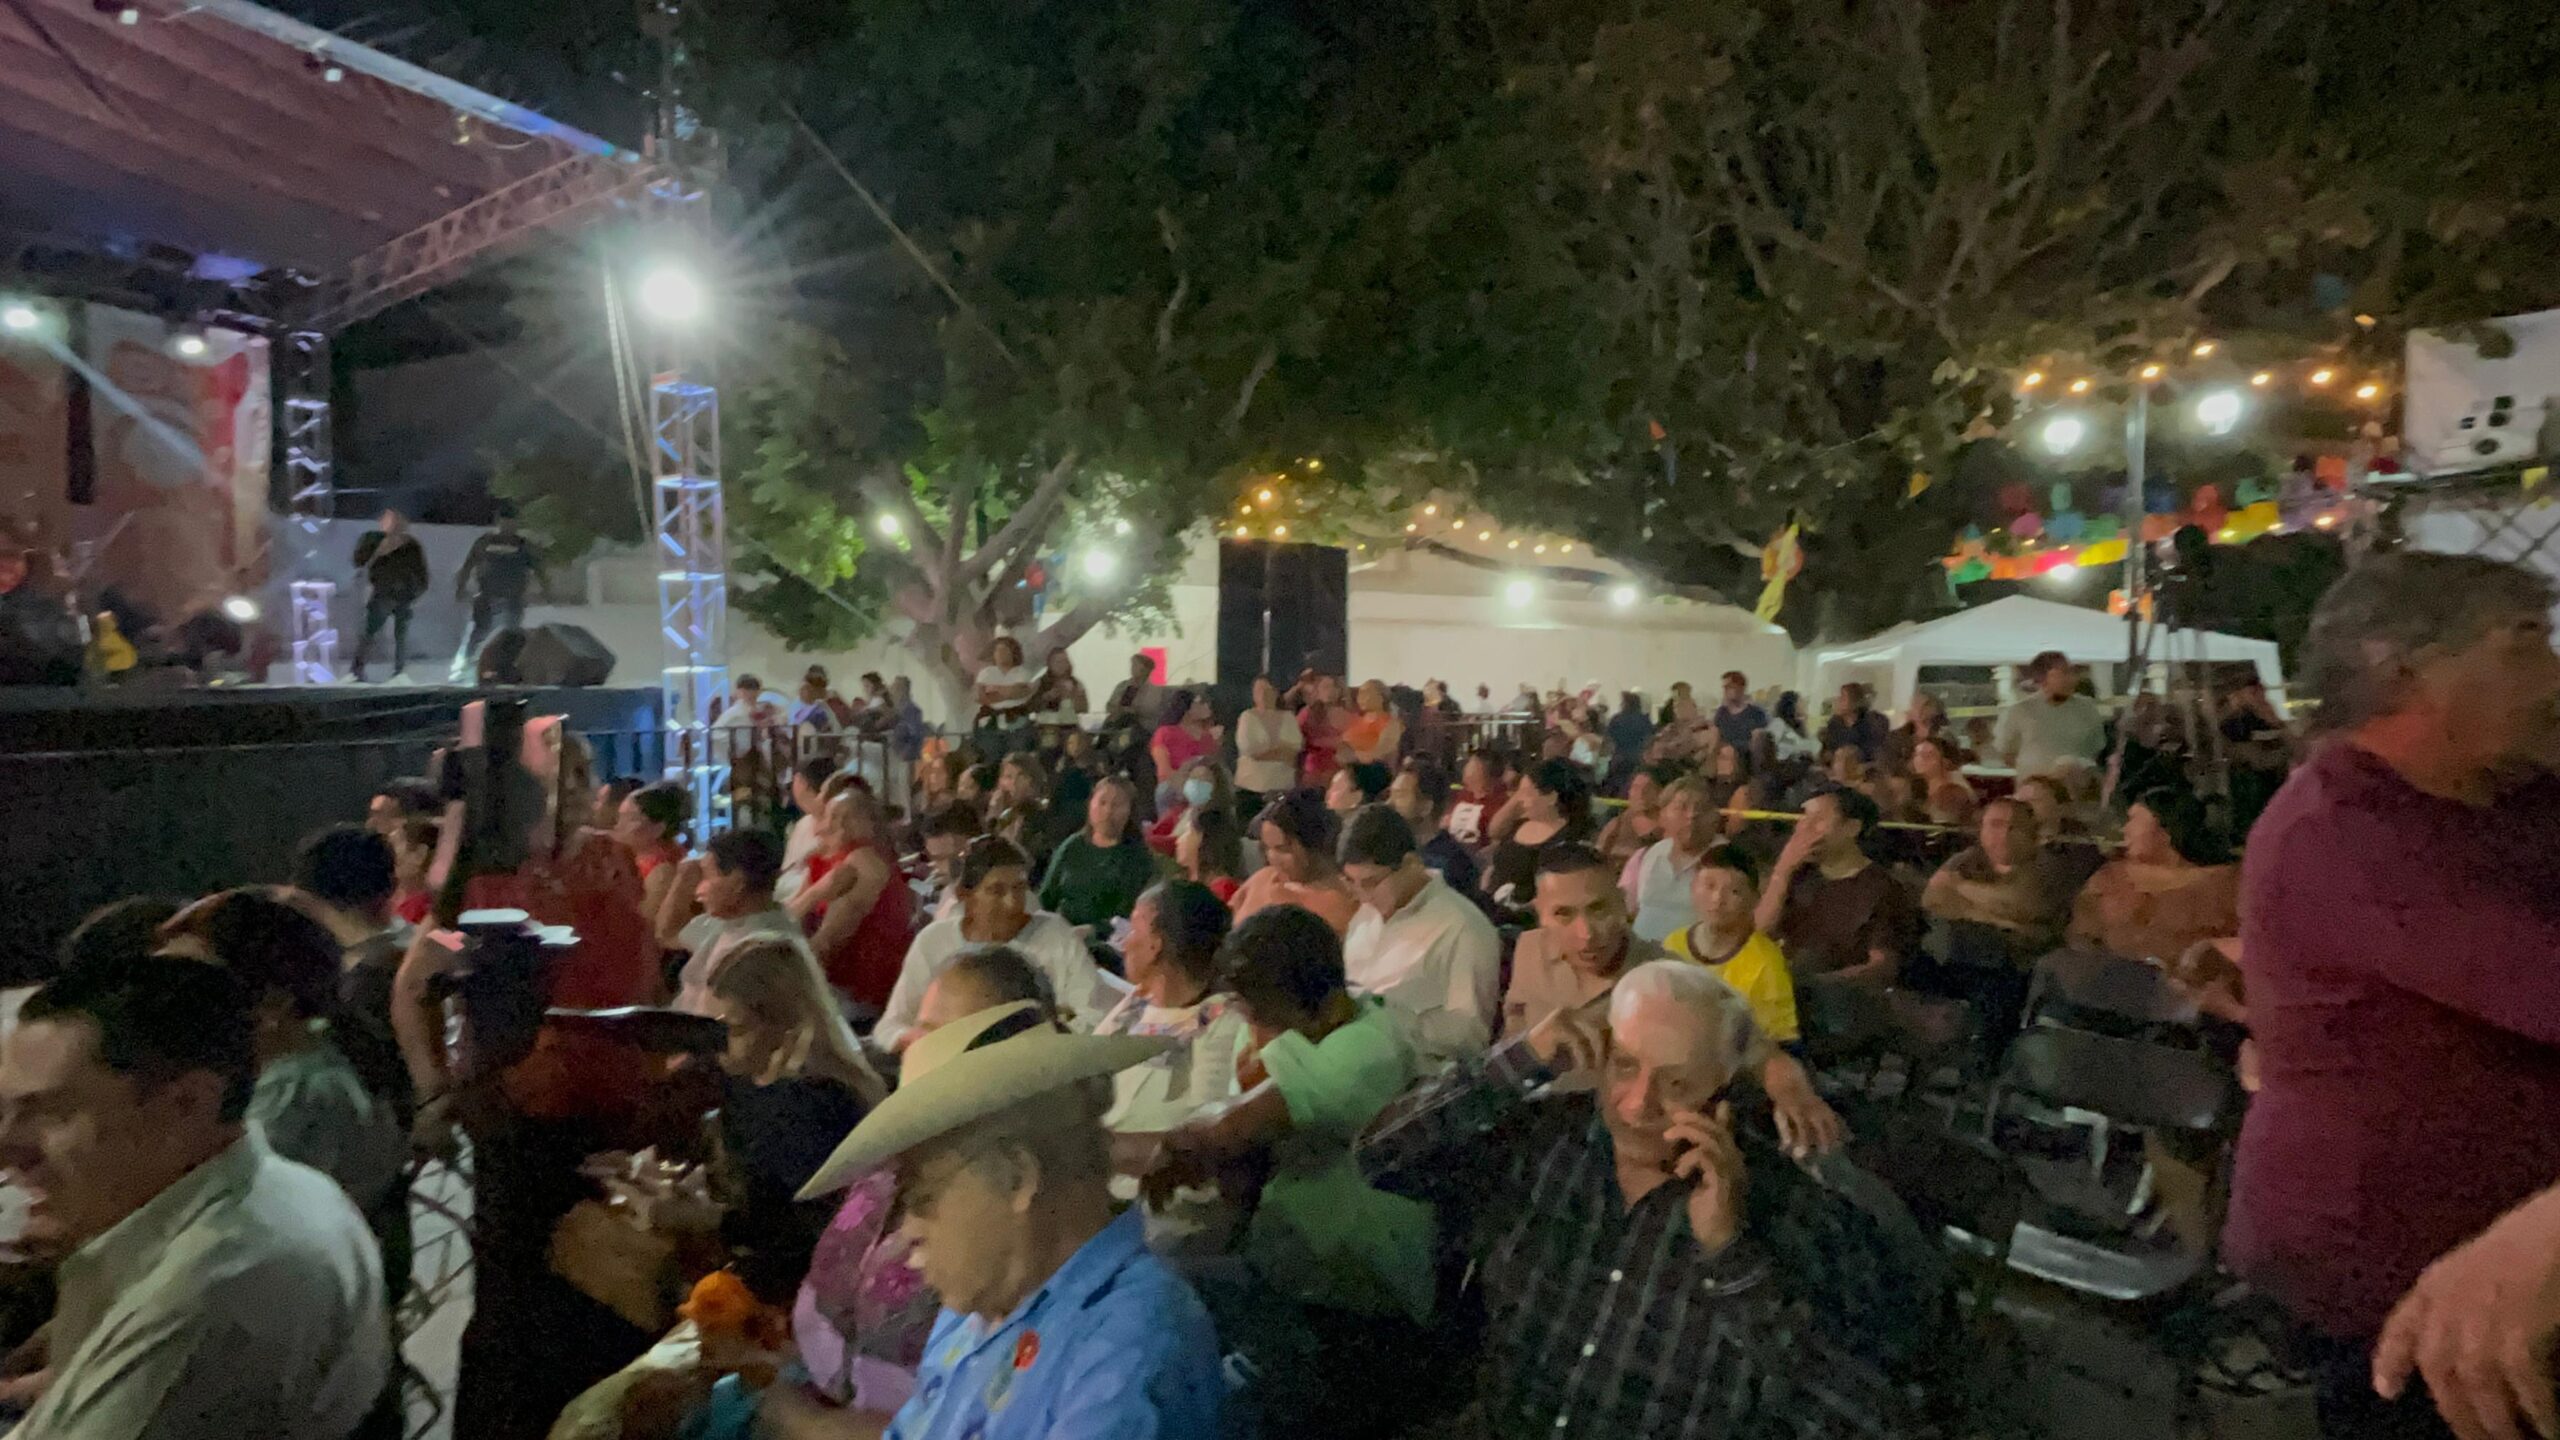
point(557, 655)
point(1281, 609)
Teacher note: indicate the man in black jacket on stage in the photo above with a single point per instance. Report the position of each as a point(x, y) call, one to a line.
point(395, 574)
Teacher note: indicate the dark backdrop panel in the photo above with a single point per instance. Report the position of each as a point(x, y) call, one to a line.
point(105, 796)
point(1304, 594)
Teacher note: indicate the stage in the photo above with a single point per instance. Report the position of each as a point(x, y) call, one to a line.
point(111, 792)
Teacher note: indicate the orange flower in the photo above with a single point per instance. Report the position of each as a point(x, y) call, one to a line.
point(720, 1304)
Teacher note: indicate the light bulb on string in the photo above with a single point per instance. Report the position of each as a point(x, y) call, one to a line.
point(1410, 529)
point(2151, 371)
point(2203, 349)
point(1429, 510)
point(1243, 530)
point(2080, 386)
point(2368, 391)
point(1514, 545)
point(1279, 532)
point(2031, 380)
point(1262, 496)
point(2263, 379)
point(1484, 534)
point(1538, 550)
point(2323, 375)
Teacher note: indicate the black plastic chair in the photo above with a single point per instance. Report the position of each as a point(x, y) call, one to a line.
point(2107, 994)
point(2125, 1082)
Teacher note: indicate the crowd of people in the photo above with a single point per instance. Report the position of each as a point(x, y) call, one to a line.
point(1346, 1065)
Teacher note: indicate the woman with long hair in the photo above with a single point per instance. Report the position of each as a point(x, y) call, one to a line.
point(856, 907)
point(1552, 806)
point(650, 824)
point(2173, 887)
point(1204, 786)
point(1211, 852)
point(1098, 873)
point(1002, 695)
point(1190, 731)
point(1298, 868)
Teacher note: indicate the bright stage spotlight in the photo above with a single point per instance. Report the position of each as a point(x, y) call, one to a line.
point(2063, 433)
point(241, 608)
point(669, 292)
point(21, 317)
point(1100, 565)
point(1623, 597)
point(190, 346)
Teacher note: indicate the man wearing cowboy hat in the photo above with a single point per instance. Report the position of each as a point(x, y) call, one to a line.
point(1056, 1322)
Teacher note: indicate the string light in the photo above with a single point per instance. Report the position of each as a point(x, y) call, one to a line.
point(1279, 532)
point(1484, 534)
point(1538, 550)
point(2365, 322)
point(1245, 509)
point(1412, 529)
point(2080, 386)
point(1430, 510)
point(1515, 545)
point(1243, 530)
point(1458, 522)
point(1263, 495)
point(2263, 379)
point(2368, 391)
point(1565, 549)
point(2323, 375)
point(2031, 380)
point(2326, 521)
point(2151, 372)
point(2203, 348)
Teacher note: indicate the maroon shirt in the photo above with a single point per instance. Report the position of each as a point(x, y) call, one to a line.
point(2403, 961)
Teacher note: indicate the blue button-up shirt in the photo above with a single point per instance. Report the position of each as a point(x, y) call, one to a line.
point(1114, 1347)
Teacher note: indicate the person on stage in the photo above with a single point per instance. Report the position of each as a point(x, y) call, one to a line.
point(395, 575)
point(505, 562)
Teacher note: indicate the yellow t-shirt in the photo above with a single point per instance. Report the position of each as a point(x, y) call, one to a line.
point(1759, 971)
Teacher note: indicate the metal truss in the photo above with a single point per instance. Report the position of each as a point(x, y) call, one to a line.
point(441, 250)
point(310, 467)
point(693, 579)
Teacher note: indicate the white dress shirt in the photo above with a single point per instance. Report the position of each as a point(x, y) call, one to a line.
point(1085, 990)
point(1437, 963)
point(1657, 886)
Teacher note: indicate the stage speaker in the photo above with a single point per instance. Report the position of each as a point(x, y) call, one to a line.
point(1281, 609)
point(558, 655)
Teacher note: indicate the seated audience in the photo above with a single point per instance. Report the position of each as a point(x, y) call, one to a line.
point(791, 1083)
point(1357, 783)
point(650, 824)
point(995, 909)
point(1481, 795)
point(1204, 787)
point(1056, 1319)
point(809, 780)
point(1841, 918)
point(1172, 959)
point(1855, 725)
point(343, 877)
point(1658, 878)
point(1322, 717)
point(404, 799)
point(1925, 723)
point(1341, 1276)
point(1420, 793)
point(1640, 823)
point(246, 1297)
point(2173, 886)
point(1584, 944)
point(413, 854)
point(2064, 832)
point(1189, 732)
point(1420, 946)
point(948, 829)
point(1551, 807)
point(1747, 1293)
point(1297, 835)
point(1018, 807)
point(722, 898)
point(1725, 891)
point(2006, 882)
point(1098, 874)
point(857, 908)
point(1211, 853)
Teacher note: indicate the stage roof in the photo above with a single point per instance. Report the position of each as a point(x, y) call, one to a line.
point(198, 146)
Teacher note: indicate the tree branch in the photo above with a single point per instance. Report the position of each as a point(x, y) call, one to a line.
point(1027, 523)
point(1097, 607)
point(887, 487)
point(1244, 398)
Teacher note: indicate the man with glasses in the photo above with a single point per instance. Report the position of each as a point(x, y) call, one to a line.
point(1651, 1263)
point(1056, 1320)
point(1417, 944)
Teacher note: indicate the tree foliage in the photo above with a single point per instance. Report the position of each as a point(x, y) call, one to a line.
point(1662, 276)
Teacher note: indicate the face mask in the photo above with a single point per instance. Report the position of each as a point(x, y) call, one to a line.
point(1198, 792)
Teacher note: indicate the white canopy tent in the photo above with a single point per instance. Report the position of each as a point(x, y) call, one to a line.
point(2012, 631)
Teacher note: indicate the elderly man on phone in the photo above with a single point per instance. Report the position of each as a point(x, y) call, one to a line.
point(1646, 1252)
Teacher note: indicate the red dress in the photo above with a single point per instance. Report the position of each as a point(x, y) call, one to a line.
point(865, 964)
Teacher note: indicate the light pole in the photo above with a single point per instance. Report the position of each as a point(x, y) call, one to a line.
point(2137, 439)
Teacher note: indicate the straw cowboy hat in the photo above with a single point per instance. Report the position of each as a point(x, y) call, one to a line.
point(971, 1069)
